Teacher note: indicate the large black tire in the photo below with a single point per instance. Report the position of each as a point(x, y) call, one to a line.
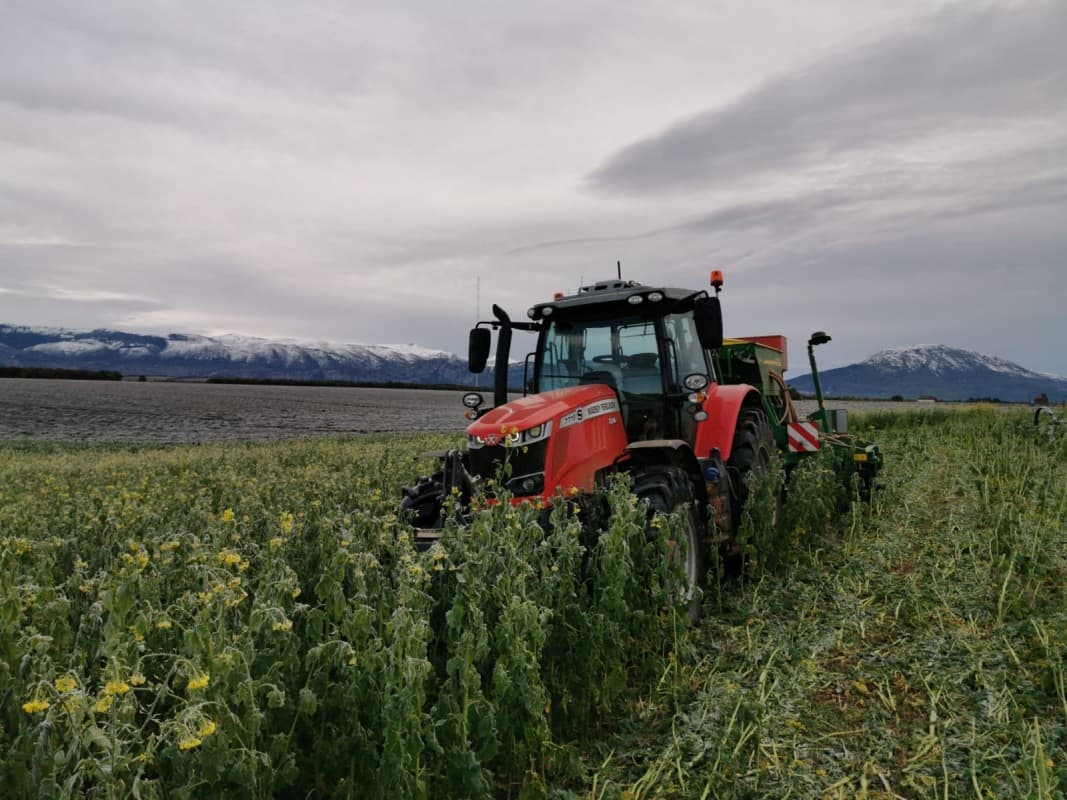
point(423, 502)
point(1045, 422)
point(752, 455)
point(665, 489)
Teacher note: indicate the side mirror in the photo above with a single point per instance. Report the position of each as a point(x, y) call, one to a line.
point(707, 313)
point(478, 351)
point(695, 381)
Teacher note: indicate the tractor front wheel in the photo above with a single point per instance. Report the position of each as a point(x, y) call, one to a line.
point(664, 490)
point(422, 503)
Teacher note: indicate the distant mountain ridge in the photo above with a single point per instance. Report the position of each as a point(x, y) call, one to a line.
point(190, 356)
point(947, 373)
point(944, 372)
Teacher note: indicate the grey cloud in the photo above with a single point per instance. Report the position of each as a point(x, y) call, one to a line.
point(344, 170)
point(194, 69)
point(304, 51)
point(869, 202)
point(966, 67)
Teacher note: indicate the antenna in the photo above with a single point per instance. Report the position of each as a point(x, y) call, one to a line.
point(618, 266)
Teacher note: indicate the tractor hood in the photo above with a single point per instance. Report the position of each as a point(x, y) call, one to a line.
point(537, 409)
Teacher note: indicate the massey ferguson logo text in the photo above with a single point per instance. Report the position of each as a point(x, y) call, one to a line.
point(596, 409)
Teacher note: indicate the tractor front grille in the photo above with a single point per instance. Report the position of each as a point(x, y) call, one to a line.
point(509, 463)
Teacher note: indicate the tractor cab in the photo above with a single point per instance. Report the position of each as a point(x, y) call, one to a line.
point(642, 342)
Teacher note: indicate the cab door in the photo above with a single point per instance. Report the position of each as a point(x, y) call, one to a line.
point(684, 356)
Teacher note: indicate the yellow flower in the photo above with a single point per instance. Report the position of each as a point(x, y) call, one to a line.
point(65, 684)
point(137, 679)
point(207, 727)
point(287, 625)
point(276, 542)
point(189, 743)
point(163, 624)
point(116, 687)
point(229, 557)
point(286, 522)
point(198, 681)
point(227, 515)
point(295, 593)
point(103, 705)
point(35, 706)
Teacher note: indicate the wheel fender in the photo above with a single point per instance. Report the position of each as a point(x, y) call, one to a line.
point(723, 405)
point(669, 452)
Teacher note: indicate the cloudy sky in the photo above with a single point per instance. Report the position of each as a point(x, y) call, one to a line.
point(894, 173)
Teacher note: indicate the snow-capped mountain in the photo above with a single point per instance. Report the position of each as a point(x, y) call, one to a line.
point(947, 373)
point(182, 355)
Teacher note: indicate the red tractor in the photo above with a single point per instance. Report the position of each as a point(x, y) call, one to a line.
point(634, 379)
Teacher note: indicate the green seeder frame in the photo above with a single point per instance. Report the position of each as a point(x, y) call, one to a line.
point(761, 365)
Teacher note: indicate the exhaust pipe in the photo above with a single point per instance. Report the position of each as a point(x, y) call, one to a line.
point(503, 349)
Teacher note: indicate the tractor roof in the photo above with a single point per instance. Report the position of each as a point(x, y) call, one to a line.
point(612, 297)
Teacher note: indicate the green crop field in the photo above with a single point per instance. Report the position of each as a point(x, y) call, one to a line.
point(253, 621)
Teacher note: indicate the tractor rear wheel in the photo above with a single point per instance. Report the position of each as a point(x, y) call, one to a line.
point(664, 490)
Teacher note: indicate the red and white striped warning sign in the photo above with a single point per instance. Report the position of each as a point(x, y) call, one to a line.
point(803, 437)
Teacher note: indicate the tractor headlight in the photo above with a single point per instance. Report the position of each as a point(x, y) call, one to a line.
point(655, 297)
point(635, 299)
point(513, 439)
point(537, 433)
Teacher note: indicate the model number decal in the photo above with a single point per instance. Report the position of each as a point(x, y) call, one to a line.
point(596, 409)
